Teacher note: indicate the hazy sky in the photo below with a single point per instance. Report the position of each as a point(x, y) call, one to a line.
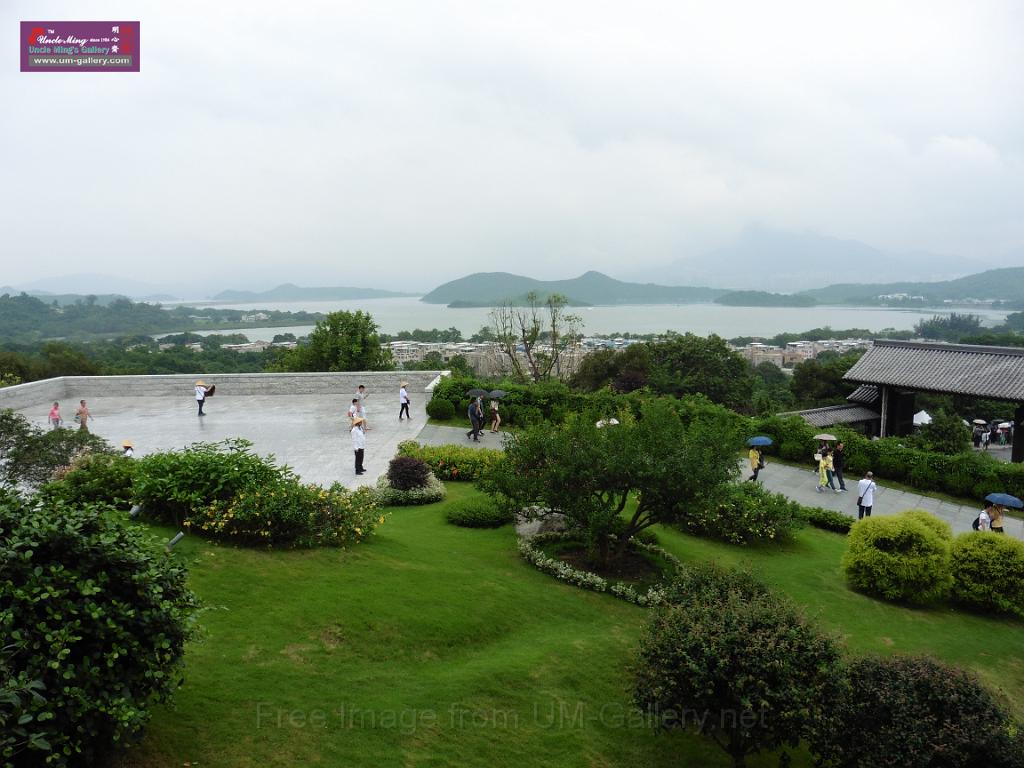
point(402, 144)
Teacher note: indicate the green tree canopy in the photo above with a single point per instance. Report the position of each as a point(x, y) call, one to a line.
point(342, 341)
point(689, 364)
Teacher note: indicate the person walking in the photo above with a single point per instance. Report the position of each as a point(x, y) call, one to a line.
point(359, 443)
point(838, 464)
point(866, 495)
point(476, 419)
point(996, 525)
point(361, 395)
point(353, 410)
point(495, 416)
point(54, 417)
point(756, 463)
point(984, 439)
point(201, 391)
point(984, 521)
point(403, 401)
point(82, 416)
point(825, 468)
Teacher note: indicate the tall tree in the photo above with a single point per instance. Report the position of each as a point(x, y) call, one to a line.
point(688, 364)
point(542, 330)
point(342, 341)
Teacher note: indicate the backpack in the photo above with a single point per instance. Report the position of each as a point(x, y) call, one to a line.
point(976, 525)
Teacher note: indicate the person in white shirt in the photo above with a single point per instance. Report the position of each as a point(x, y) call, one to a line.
point(129, 449)
point(361, 395)
point(985, 519)
point(403, 401)
point(358, 443)
point(866, 495)
point(353, 410)
point(201, 395)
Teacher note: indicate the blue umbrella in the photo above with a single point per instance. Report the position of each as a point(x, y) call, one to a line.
point(759, 441)
point(1005, 500)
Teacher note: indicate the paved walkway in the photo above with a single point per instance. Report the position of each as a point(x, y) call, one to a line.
point(434, 434)
point(799, 484)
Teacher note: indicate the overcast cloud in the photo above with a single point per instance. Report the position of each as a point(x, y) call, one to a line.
point(398, 145)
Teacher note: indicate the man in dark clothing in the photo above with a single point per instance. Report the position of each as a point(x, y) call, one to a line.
point(838, 463)
point(476, 419)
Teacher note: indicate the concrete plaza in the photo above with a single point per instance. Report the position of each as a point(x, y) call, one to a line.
point(309, 433)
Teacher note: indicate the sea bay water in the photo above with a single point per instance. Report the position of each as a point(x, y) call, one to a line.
point(407, 313)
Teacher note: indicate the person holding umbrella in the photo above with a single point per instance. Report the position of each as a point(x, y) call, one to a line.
point(755, 455)
point(999, 502)
point(476, 414)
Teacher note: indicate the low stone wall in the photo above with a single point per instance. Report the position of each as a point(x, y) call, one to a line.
point(75, 388)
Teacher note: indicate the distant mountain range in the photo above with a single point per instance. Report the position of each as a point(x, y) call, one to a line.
point(766, 259)
point(487, 289)
point(289, 292)
point(1005, 284)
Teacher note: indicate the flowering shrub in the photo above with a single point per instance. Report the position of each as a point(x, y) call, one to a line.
point(101, 478)
point(745, 513)
point(292, 514)
point(827, 519)
point(453, 462)
point(530, 550)
point(389, 496)
point(225, 491)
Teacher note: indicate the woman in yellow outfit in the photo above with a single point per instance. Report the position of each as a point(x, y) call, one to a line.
point(756, 463)
point(825, 469)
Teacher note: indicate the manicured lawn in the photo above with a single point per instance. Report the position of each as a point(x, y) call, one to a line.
point(434, 645)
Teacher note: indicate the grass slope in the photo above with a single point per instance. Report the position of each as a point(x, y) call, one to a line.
point(434, 645)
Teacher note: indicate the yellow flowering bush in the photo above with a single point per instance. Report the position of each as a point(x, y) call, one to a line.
point(292, 514)
point(453, 462)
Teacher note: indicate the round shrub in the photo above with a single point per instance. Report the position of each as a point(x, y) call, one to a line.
point(901, 557)
point(440, 409)
point(94, 478)
point(744, 513)
point(95, 618)
point(34, 459)
point(709, 582)
point(406, 473)
point(988, 572)
point(389, 496)
point(746, 666)
point(914, 712)
point(477, 513)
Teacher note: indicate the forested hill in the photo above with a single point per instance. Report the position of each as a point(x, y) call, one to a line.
point(493, 288)
point(25, 318)
point(1005, 284)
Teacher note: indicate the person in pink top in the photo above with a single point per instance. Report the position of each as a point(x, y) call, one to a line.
point(54, 417)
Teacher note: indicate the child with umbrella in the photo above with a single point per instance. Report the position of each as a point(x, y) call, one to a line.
point(755, 455)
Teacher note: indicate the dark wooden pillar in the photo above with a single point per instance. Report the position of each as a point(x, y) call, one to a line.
point(1018, 439)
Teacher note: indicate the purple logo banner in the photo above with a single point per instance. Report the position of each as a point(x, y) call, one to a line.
point(79, 46)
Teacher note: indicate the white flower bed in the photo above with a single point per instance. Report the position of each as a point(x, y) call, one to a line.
point(530, 549)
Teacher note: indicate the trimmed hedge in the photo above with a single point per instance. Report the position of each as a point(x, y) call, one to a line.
point(827, 519)
point(988, 572)
point(901, 557)
point(477, 513)
point(94, 624)
point(440, 409)
point(452, 462)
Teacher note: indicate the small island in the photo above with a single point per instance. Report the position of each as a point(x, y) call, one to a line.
point(765, 299)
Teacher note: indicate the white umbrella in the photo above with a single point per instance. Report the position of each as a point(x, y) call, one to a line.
point(1004, 425)
point(921, 418)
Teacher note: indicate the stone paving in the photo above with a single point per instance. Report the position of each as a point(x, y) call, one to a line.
point(309, 433)
point(434, 434)
point(800, 484)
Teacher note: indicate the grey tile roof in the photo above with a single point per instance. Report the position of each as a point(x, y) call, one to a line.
point(865, 394)
point(962, 369)
point(831, 415)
